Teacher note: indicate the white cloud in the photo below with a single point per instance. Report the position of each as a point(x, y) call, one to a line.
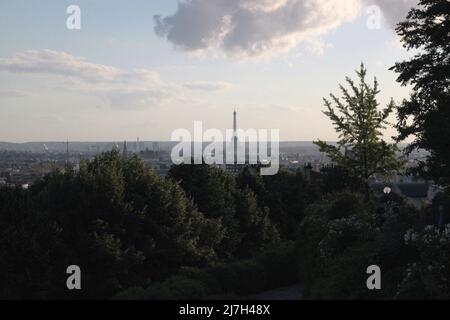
point(121, 88)
point(58, 63)
point(208, 86)
point(135, 88)
point(12, 94)
point(252, 28)
point(261, 28)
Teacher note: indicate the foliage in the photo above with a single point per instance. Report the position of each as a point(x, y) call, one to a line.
point(248, 227)
point(286, 195)
point(341, 236)
point(428, 276)
point(360, 149)
point(124, 226)
point(426, 114)
point(239, 278)
point(26, 241)
point(116, 219)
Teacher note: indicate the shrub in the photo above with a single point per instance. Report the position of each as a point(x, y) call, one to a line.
point(243, 277)
point(270, 270)
point(429, 276)
point(281, 265)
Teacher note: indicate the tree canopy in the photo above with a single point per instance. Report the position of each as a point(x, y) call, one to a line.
point(425, 116)
point(356, 118)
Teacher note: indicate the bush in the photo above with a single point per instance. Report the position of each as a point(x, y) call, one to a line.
point(281, 265)
point(242, 278)
point(270, 270)
point(428, 277)
point(341, 236)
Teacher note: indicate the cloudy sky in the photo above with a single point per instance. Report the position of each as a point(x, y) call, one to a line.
point(143, 68)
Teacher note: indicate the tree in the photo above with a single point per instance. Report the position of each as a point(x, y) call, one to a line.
point(427, 277)
point(212, 190)
point(248, 228)
point(360, 148)
point(27, 240)
point(258, 233)
point(426, 114)
point(341, 236)
point(334, 244)
point(286, 194)
point(116, 219)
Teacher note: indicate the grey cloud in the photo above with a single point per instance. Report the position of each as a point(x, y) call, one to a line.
point(57, 63)
point(394, 11)
point(252, 27)
point(122, 88)
point(138, 88)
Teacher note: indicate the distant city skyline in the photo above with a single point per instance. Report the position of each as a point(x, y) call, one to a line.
point(143, 69)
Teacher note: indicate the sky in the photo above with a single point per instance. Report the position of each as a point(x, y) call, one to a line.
point(143, 68)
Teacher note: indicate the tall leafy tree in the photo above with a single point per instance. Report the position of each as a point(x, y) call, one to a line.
point(426, 114)
point(258, 233)
point(116, 219)
point(212, 190)
point(248, 226)
point(360, 149)
point(285, 194)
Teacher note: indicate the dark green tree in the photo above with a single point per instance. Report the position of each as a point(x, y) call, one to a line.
point(360, 149)
point(425, 116)
point(285, 194)
point(27, 241)
point(248, 227)
point(341, 236)
point(258, 233)
point(117, 220)
point(213, 192)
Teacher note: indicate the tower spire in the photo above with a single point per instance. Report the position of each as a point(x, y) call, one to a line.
point(235, 138)
point(125, 151)
point(138, 146)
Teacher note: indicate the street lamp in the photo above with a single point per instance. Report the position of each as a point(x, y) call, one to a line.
point(387, 191)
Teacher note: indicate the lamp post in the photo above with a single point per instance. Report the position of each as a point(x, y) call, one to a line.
point(387, 191)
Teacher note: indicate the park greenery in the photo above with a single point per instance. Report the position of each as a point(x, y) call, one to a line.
point(360, 149)
point(201, 232)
